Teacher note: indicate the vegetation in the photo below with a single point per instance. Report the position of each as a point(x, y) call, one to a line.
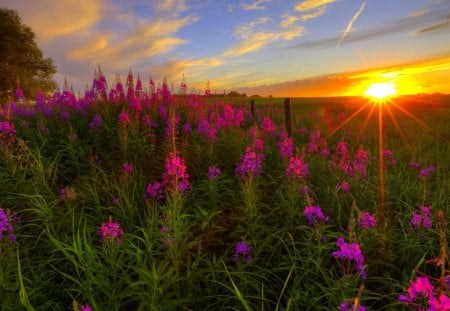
point(123, 200)
point(22, 65)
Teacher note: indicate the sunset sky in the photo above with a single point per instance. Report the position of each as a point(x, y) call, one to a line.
point(276, 47)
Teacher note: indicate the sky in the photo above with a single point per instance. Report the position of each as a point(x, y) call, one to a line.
point(264, 47)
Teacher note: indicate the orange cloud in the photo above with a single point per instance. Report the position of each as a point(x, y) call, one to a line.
point(311, 4)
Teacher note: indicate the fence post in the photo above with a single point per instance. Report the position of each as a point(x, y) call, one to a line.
point(288, 116)
point(252, 108)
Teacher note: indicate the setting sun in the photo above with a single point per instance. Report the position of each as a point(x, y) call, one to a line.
point(380, 90)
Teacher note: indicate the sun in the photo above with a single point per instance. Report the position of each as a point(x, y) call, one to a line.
point(381, 91)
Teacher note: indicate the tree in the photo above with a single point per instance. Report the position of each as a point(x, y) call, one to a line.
point(22, 63)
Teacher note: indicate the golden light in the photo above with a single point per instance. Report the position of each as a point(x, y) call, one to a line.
point(381, 91)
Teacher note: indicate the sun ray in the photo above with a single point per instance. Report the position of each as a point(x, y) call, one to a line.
point(409, 114)
point(366, 121)
point(347, 120)
point(381, 156)
point(397, 126)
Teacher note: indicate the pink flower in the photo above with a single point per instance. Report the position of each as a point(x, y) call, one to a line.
point(297, 167)
point(124, 119)
point(111, 231)
point(175, 178)
point(366, 220)
point(127, 168)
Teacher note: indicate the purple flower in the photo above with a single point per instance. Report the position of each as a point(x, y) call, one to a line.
point(187, 128)
point(213, 172)
point(243, 252)
point(314, 215)
point(359, 164)
point(8, 220)
point(268, 126)
point(366, 220)
point(422, 218)
point(19, 95)
point(124, 119)
point(251, 164)
point(344, 187)
point(297, 167)
point(341, 158)
point(111, 231)
point(86, 308)
point(175, 178)
point(421, 290)
point(350, 256)
point(154, 192)
point(414, 164)
point(286, 146)
point(346, 306)
point(96, 123)
point(127, 168)
point(426, 172)
point(7, 133)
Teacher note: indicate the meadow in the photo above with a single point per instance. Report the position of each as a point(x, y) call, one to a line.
point(124, 199)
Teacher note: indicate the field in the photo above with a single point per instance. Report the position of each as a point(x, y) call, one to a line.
point(161, 202)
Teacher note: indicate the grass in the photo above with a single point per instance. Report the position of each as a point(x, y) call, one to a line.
point(178, 253)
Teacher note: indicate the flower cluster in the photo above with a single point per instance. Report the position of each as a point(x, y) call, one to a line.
point(350, 256)
point(213, 172)
point(422, 219)
point(251, 164)
point(175, 177)
point(366, 220)
point(422, 288)
point(127, 168)
point(268, 126)
point(86, 308)
point(314, 215)
point(314, 141)
point(297, 167)
point(347, 306)
point(124, 119)
point(111, 231)
point(359, 164)
point(286, 146)
point(154, 192)
point(8, 221)
point(426, 172)
point(96, 123)
point(7, 133)
point(243, 252)
point(343, 186)
point(341, 157)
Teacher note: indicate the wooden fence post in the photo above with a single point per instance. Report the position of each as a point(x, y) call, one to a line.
point(252, 108)
point(288, 115)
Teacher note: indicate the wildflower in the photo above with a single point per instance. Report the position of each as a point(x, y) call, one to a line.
point(303, 131)
point(86, 308)
point(413, 164)
point(426, 172)
point(251, 164)
point(175, 178)
point(346, 306)
point(127, 168)
point(243, 252)
point(154, 191)
point(19, 95)
point(167, 238)
point(314, 215)
point(422, 218)
point(286, 146)
point(350, 256)
point(124, 119)
point(268, 126)
point(422, 289)
point(7, 133)
point(366, 220)
point(67, 194)
point(213, 172)
point(111, 231)
point(8, 220)
point(96, 123)
point(341, 157)
point(314, 140)
point(359, 164)
point(297, 167)
point(344, 187)
point(187, 128)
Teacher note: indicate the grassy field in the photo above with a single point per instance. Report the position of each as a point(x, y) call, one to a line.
point(164, 202)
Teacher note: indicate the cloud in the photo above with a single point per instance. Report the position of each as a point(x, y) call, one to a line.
point(52, 19)
point(350, 24)
point(244, 31)
point(289, 20)
point(433, 28)
point(255, 5)
point(171, 5)
point(308, 5)
point(405, 24)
